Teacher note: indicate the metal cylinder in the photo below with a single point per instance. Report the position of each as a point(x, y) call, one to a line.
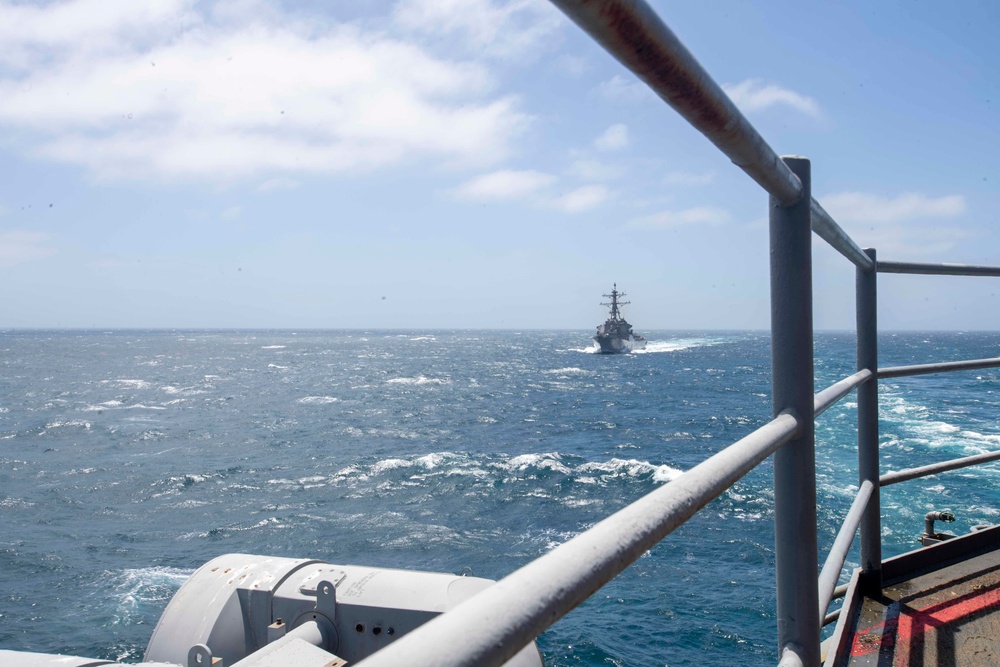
point(866, 305)
point(796, 552)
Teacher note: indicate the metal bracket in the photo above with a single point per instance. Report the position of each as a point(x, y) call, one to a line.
point(200, 655)
point(326, 600)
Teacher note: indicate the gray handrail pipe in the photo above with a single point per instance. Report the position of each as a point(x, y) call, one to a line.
point(866, 317)
point(795, 539)
point(835, 560)
point(836, 391)
point(939, 269)
point(934, 468)
point(940, 367)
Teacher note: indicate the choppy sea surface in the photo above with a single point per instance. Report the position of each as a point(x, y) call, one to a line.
point(130, 458)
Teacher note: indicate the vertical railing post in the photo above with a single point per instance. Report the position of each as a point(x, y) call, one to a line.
point(868, 464)
point(796, 557)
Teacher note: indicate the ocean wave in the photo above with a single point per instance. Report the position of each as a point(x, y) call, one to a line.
point(100, 407)
point(317, 400)
point(126, 383)
point(15, 503)
point(184, 391)
point(419, 380)
point(491, 469)
point(273, 347)
point(547, 461)
point(630, 468)
point(572, 370)
point(908, 424)
point(73, 423)
point(655, 346)
point(133, 588)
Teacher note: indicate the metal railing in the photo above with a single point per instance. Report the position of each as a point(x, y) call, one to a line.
point(496, 623)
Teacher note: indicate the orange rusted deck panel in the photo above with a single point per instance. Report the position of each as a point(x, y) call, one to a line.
point(939, 606)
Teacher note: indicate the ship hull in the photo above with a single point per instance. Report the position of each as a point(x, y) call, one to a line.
point(619, 345)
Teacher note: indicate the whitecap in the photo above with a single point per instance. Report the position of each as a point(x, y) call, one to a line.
point(72, 422)
point(666, 473)
point(273, 347)
point(145, 585)
point(131, 384)
point(431, 461)
point(566, 371)
point(677, 345)
point(317, 400)
point(419, 380)
point(391, 464)
point(106, 405)
point(545, 461)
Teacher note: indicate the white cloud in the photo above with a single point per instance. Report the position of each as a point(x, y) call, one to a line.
point(18, 247)
point(581, 199)
point(614, 138)
point(687, 178)
point(198, 99)
point(620, 88)
point(278, 184)
point(906, 225)
point(869, 208)
point(594, 170)
point(83, 27)
point(232, 213)
point(505, 184)
point(699, 215)
point(531, 187)
point(504, 29)
point(754, 95)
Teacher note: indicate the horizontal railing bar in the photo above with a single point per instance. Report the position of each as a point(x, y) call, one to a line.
point(829, 396)
point(632, 32)
point(832, 617)
point(840, 591)
point(828, 230)
point(934, 468)
point(841, 546)
point(492, 626)
point(942, 367)
point(938, 269)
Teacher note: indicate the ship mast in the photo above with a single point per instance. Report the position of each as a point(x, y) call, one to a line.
point(614, 301)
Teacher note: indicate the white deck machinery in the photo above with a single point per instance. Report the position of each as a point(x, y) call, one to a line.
point(240, 610)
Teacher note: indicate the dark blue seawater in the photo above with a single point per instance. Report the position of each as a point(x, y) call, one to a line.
point(129, 458)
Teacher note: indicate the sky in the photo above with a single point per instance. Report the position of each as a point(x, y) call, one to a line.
point(442, 164)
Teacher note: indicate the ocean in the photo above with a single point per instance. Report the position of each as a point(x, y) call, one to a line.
point(130, 458)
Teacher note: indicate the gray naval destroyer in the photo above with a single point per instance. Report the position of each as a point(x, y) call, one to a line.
point(615, 336)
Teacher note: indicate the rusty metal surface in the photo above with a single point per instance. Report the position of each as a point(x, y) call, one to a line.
point(950, 616)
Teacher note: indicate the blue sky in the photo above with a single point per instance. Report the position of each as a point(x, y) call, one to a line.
point(475, 164)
